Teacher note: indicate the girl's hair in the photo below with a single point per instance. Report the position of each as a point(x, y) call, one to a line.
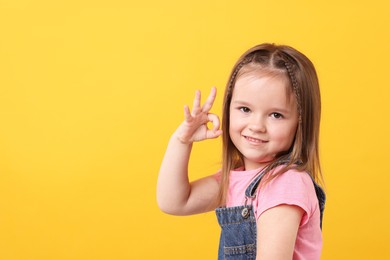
point(303, 155)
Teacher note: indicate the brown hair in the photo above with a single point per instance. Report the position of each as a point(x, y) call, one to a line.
point(303, 154)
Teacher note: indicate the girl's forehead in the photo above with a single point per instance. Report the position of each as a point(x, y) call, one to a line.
point(253, 86)
point(271, 78)
point(257, 73)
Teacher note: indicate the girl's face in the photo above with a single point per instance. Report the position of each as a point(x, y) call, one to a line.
point(263, 118)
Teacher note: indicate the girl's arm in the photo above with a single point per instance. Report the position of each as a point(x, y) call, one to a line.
point(175, 194)
point(277, 231)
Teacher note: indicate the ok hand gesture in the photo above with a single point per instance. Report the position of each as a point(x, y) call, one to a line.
point(194, 128)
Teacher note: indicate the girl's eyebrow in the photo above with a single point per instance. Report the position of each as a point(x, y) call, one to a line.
point(241, 102)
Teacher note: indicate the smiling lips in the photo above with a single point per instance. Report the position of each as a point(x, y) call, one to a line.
point(254, 140)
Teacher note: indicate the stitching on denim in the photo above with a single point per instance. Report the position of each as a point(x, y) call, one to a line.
point(234, 250)
point(239, 222)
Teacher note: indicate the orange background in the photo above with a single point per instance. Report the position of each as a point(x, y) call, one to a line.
point(90, 92)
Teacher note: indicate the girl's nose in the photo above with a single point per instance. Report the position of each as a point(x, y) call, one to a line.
point(257, 125)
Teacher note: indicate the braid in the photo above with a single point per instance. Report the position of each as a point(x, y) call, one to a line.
point(236, 70)
point(294, 83)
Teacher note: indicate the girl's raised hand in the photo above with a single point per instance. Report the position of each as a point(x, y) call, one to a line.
point(194, 128)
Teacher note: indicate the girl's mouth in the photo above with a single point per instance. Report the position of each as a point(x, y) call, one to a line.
point(254, 140)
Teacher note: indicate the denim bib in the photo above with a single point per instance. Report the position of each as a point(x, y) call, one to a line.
point(238, 224)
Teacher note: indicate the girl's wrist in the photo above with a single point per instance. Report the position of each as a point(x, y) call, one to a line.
point(176, 136)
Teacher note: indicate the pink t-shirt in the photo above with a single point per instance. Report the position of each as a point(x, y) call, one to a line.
point(291, 188)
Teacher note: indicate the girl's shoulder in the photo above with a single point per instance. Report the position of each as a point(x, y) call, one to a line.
point(291, 182)
point(290, 175)
point(294, 174)
point(292, 187)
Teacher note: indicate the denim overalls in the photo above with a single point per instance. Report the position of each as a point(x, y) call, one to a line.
point(238, 224)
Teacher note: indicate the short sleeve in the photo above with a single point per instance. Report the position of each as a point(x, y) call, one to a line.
point(290, 188)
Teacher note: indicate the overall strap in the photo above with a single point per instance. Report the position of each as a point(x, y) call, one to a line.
point(250, 192)
point(321, 196)
point(251, 189)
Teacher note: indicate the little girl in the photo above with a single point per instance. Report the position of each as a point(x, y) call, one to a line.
point(266, 196)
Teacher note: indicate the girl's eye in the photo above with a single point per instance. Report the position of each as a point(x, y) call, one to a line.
point(276, 115)
point(245, 109)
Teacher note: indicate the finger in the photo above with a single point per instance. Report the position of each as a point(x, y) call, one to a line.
point(214, 119)
point(187, 113)
point(210, 100)
point(213, 134)
point(196, 105)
